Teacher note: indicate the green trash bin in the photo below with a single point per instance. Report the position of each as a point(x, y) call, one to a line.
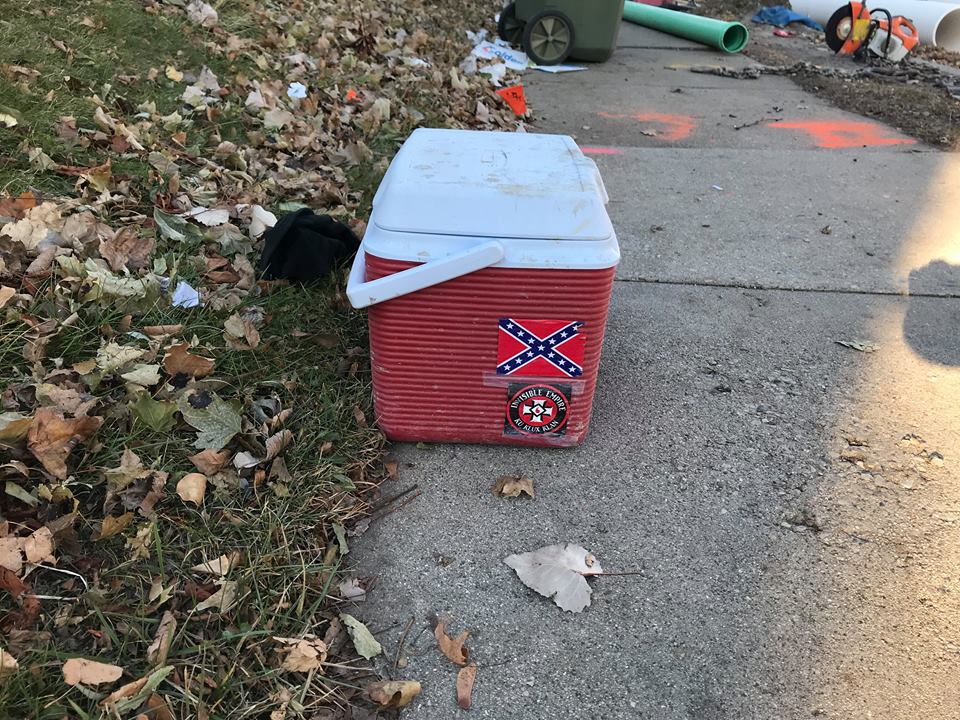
point(551, 31)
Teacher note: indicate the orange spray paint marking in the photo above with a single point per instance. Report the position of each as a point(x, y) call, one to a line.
point(835, 134)
point(601, 151)
point(669, 127)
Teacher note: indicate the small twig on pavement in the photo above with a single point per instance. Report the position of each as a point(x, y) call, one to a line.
point(402, 642)
point(619, 574)
point(383, 503)
point(398, 507)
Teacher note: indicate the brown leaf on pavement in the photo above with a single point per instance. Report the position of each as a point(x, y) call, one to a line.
point(89, 672)
point(512, 486)
point(393, 693)
point(465, 680)
point(178, 360)
point(452, 647)
point(127, 249)
point(52, 437)
point(209, 461)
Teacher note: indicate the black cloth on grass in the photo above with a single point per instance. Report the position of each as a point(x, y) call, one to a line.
point(303, 247)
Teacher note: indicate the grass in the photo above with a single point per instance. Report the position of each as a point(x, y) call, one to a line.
point(104, 40)
point(281, 529)
point(224, 665)
point(65, 59)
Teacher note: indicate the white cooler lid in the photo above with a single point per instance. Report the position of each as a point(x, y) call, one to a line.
point(492, 184)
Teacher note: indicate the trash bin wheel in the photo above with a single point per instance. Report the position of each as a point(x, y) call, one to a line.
point(548, 37)
point(509, 27)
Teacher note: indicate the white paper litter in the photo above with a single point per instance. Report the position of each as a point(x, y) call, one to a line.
point(558, 68)
point(297, 90)
point(497, 72)
point(260, 220)
point(514, 59)
point(211, 217)
point(184, 296)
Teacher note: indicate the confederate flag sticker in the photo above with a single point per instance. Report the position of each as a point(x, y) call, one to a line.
point(537, 409)
point(540, 348)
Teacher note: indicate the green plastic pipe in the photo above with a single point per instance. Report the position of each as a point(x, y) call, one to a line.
point(730, 37)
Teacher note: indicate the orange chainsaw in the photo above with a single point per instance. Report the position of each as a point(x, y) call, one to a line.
point(853, 30)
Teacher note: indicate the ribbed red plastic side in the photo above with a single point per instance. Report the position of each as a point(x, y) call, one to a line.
point(434, 352)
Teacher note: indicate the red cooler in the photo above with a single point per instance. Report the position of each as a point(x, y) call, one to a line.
point(487, 265)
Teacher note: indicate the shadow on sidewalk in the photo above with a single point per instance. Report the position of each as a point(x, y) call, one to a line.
point(932, 327)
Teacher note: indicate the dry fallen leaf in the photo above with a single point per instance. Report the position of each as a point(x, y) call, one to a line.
point(557, 571)
point(114, 525)
point(39, 546)
point(52, 437)
point(127, 249)
point(452, 647)
point(89, 672)
point(210, 462)
point(240, 333)
point(363, 640)
point(178, 360)
point(192, 487)
point(11, 553)
point(276, 443)
point(512, 486)
point(6, 293)
point(157, 652)
point(352, 589)
point(8, 664)
point(308, 653)
point(220, 566)
point(393, 693)
point(14, 426)
point(222, 600)
point(465, 680)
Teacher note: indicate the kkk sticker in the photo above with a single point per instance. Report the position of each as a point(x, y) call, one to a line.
point(537, 409)
point(541, 348)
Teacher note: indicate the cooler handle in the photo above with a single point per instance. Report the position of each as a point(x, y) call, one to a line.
point(363, 294)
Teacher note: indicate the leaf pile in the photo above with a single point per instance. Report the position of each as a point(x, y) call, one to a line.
point(183, 446)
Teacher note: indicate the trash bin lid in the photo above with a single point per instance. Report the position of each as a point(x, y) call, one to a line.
point(492, 184)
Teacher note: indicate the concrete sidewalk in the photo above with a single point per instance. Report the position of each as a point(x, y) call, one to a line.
point(794, 504)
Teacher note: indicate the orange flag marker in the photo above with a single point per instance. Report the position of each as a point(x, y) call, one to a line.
point(515, 99)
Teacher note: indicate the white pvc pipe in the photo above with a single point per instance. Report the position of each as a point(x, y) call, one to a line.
point(938, 23)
